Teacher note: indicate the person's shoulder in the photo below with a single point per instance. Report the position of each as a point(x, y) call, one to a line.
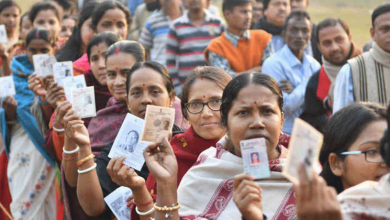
point(260, 33)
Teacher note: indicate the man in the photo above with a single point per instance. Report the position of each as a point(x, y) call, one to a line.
point(291, 67)
point(239, 49)
point(299, 4)
point(189, 35)
point(142, 13)
point(334, 42)
point(257, 11)
point(367, 77)
point(154, 34)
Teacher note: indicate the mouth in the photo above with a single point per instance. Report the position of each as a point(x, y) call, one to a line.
point(120, 91)
point(209, 124)
point(142, 112)
point(253, 136)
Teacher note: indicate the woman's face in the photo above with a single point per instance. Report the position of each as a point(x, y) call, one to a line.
point(206, 124)
point(255, 113)
point(113, 20)
point(98, 62)
point(38, 46)
point(255, 157)
point(67, 28)
point(147, 87)
point(118, 65)
point(355, 169)
point(26, 27)
point(132, 138)
point(10, 17)
point(47, 19)
point(86, 32)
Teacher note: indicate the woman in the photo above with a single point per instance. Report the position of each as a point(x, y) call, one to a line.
point(350, 152)
point(251, 108)
point(147, 84)
point(107, 16)
point(31, 169)
point(10, 18)
point(25, 27)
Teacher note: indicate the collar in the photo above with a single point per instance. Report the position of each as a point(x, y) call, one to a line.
point(291, 59)
point(234, 38)
point(380, 55)
point(207, 16)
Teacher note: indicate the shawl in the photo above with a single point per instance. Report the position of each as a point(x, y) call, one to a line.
point(81, 66)
point(22, 68)
point(206, 190)
point(268, 27)
point(366, 201)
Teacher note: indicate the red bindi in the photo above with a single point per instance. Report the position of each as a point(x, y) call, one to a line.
point(143, 84)
point(116, 68)
point(201, 78)
point(255, 102)
point(117, 50)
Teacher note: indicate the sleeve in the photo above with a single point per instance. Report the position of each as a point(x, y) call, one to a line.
point(220, 62)
point(146, 38)
point(268, 51)
point(173, 51)
point(343, 91)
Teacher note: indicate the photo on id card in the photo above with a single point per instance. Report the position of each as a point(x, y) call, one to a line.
point(62, 70)
point(84, 102)
point(255, 158)
point(70, 83)
point(37, 60)
point(7, 86)
point(128, 142)
point(158, 123)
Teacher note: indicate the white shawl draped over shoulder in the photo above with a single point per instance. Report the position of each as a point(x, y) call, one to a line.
point(206, 190)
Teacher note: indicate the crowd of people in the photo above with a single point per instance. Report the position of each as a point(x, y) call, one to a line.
point(242, 71)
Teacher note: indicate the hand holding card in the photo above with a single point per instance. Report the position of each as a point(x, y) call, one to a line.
point(71, 83)
point(158, 123)
point(255, 158)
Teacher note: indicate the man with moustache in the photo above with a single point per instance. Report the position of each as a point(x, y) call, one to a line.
point(142, 13)
point(257, 12)
point(334, 42)
point(366, 78)
point(291, 67)
point(238, 49)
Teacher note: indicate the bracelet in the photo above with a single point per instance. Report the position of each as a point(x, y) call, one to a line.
point(58, 130)
point(88, 169)
point(71, 151)
point(143, 204)
point(82, 161)
point(144, 213)
point(168, 210)
point(40, 102)
point(66, 157)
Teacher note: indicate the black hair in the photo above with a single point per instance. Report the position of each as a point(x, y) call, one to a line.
point(298, 14)
point(240, 82)
point(21, 19)
point(342, 131)
point(385, 141)
point(108, 38)
point(382, 9)
point(265, 4)
point(72, 49)
point(41, 6)
point(8, 3)
point(126, 46)
point(214, 74)
point(230, 4)
point(65, 4)
point(43, 34)
point(156, 67)
point(104, 6)
point(331, 22)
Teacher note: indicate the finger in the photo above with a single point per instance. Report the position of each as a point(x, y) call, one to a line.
point(151, 149)
point(247, 189)
point(304, 183)
point(239, 178)
point(110, 166)
point(123, 172)
point(166, 147)
point(118, 164)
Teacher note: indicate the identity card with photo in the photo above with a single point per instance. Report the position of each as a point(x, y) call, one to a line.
point(128, 142)
point(71, 83)
point(62, 70)
point(117, 202)
point(255, 158)
point(84, 102)
point(43, 64)
point(158, 123)
point(3, 34)
point(304, 146)
point(7, 86)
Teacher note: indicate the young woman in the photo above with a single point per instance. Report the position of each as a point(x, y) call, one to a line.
point(251, 108)
point(19, 47)
point(350, 152)
point(45, 15)
point(10, 18)
point(31, 169)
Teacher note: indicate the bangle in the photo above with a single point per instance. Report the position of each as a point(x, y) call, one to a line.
point(71, 151)
point(88, 169)
point(168, 210)
point(143, 204)
point(40, 102)
point(58, 130)
point(82, 161)
point(66, 157)
point(144, 213)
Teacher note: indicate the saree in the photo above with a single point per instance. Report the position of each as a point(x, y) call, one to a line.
point(81, 66)
point(206, 191)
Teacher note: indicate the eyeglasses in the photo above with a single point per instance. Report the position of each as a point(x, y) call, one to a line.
point(197, 107)
point(371, 155)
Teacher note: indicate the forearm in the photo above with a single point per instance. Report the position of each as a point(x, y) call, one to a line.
point(89, 191)
point(6, 66)
point(46, 109)
point(70, 165)
point(142, 196)
point(167, 196)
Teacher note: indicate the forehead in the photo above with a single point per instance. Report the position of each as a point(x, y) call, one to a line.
point(114, 13)
point(46, 14)
point(383, 19)
point(101, 47)
point(331, 31)
point(373, 132)
point(11, 9)
point(298, 22)
point(277, 2)
point(255, 93)
point(243, 7)
point(146, 76)
point(38, 43)
point(121, 60)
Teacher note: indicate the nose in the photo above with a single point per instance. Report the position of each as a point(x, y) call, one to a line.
point(102, 63)
point(145, 99)
point(207, 112)
point(119, 81)
point(334, 46)
point(257, 122)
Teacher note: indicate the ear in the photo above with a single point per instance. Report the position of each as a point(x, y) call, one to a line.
point(350, 37)
point(226, 14)
point(282, 115)
point(372, 32)
point(336, 164)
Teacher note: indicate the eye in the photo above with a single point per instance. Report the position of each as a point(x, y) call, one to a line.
point(111, 74)
point(196, 104)
point(135, 92)
point(372, 152)
point(120, 25)
point(243, 112)
point(156, 91)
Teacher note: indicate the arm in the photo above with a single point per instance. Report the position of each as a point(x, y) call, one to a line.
point(4, 55)
point(343, 91)
point(173, 50)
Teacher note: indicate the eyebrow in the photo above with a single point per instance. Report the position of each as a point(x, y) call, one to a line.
point(212, 97)
point(369, 142)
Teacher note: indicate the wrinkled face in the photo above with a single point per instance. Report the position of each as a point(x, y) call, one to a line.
point(257, 11)
point(46, 19)
point(98, 63)
point(355, 168)
point(67, 28)
point(277, 11)
point(297, 34)
point(195, 4)
point(147, 87)
point(86, 31)
point(299, 4)
point(38, 46)
point(206, 124)
point(113, 20)
point(334, 44)
point(380, 33)
point(240, 17)
point(10, 18)
point(255, 113)
point(26, 27)
point(118, 65)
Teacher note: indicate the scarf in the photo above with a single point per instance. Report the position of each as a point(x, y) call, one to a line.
point(380, 55)
point(81, 66)
point(22, 68)
point(268, 27)
point(102, 95)
point(105, 126)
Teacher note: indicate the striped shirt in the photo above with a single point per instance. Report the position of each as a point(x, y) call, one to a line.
point(154, 35)
point(186, 44)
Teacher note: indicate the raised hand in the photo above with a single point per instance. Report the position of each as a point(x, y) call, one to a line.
point(286, 86)
point(247, 196)
point(123, 175)
point(36, 85)
point(76, 130)
point(61, 111)
point(55, 93)
point(10, 104)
